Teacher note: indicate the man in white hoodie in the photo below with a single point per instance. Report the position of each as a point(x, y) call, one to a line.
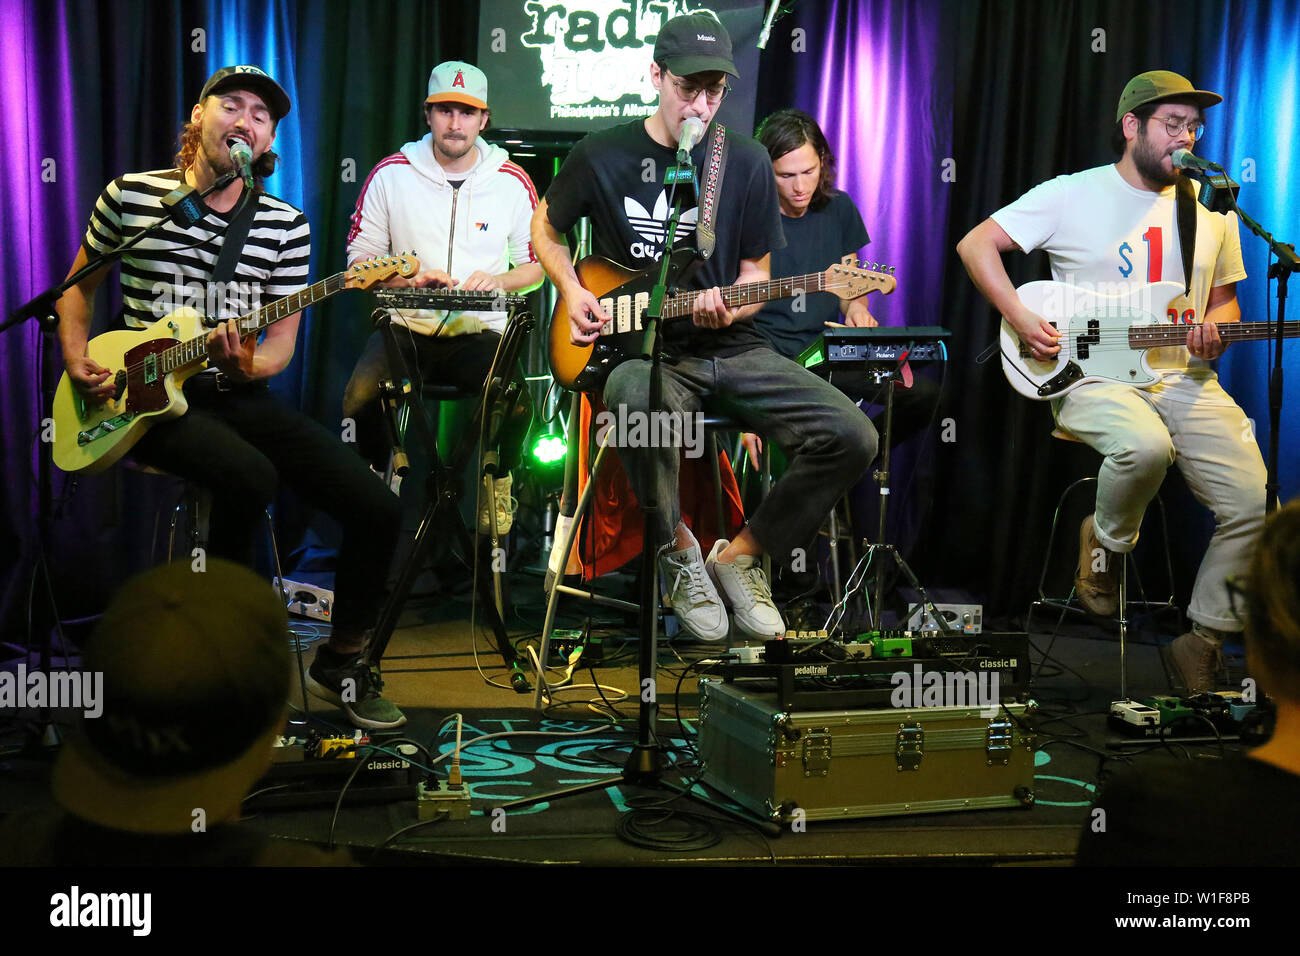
point(464, 208)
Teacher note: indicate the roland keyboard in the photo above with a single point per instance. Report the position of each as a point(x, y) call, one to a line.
point(852, 347)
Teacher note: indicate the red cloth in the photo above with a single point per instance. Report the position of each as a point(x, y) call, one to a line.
point(614, 535)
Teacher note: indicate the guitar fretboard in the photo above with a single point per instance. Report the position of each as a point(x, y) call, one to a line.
point(1157, 336)
point(196, 349)
point(750, 293)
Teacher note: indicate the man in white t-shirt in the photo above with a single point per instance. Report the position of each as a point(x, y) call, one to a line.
point(1117, 224)
point(461, 205)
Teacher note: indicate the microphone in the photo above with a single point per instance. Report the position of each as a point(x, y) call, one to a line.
point(1184, 159)
point(242, 156)
point(692, 130)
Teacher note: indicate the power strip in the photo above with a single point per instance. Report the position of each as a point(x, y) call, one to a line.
point(306, 600)
point(436, 797)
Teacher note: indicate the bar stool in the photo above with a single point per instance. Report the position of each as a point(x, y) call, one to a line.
point(714, 424)
point(1068, 604)
point(195, 500)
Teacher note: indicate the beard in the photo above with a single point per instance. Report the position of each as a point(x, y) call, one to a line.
point(1149, 161)
point(454, 149)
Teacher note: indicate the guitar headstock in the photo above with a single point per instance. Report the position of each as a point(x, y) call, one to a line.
point(362, 275)
point(848, 280)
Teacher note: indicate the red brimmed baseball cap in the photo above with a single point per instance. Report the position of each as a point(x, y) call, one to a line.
point(457, 82)
point(248, 77)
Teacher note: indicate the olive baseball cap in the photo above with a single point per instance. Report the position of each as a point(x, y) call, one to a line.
point(696, 43)
point(1159, 85)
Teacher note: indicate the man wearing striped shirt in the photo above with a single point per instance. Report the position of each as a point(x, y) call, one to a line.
point(236, 439)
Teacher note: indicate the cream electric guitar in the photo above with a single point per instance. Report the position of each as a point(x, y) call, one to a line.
point(1105, 338)
point(151, 369)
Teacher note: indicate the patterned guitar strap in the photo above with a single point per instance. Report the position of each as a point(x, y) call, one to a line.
point(715, 164)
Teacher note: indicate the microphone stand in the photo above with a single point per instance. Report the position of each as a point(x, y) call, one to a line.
point(184, 207)
point(645, 764)
point(1287, 263)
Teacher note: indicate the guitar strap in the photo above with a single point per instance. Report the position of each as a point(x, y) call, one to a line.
point(233, 245)
point(715, 165)
point(1185, 209)
point(227, 260)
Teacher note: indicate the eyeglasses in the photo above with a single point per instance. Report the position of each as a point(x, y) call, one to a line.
point(1176, 126)
point(712, 94)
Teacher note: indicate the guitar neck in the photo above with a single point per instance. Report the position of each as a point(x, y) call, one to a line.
point(1159, 336)
point(196, 349)
point(749, 293)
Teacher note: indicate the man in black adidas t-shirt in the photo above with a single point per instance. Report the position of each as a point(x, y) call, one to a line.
point(715, 358)
point(236, 439)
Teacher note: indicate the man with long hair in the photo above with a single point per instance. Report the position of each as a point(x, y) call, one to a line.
point(237, 439)
point(822, 225)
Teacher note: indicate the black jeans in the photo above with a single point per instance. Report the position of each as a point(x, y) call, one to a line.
point(459, 360)
point(240, 444)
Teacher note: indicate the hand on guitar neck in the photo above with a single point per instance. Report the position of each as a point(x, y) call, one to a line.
point(230, 354)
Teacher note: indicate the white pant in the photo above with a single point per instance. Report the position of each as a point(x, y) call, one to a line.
point(1141, 432)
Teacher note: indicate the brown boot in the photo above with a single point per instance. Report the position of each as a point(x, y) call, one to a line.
point(1197, 660)
point(1096, 590)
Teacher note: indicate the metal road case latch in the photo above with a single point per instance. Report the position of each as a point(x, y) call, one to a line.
point(910, 746)
point(997, 743)
point(816, 752)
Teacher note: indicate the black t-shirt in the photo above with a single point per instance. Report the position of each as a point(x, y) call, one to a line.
point(605, 178)
point(1230, 812)
point(814, 241)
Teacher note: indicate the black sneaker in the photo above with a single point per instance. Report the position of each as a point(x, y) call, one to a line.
point(346, 681)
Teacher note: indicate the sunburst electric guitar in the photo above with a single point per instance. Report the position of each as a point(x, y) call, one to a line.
point(151, 368)
point(1105, 337)
point(625, 297)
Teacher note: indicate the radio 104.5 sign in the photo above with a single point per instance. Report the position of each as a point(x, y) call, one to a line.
point(580, 65)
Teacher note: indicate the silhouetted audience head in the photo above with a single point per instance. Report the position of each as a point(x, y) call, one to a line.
point(1271, 594)
point(196, 677)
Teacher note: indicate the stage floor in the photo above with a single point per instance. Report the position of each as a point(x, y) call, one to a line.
point(431, 673)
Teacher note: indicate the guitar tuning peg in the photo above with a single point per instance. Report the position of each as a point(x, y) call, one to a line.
point(891, 270)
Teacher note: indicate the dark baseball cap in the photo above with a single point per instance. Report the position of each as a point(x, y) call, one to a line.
point(696, 43)
point(1161, 85)
point(248, 78)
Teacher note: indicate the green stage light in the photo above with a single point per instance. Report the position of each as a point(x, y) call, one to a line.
point(549, 449)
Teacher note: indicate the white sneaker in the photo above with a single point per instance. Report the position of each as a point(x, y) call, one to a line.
point(505, 506)
point(745, 590)
point(691, 594)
